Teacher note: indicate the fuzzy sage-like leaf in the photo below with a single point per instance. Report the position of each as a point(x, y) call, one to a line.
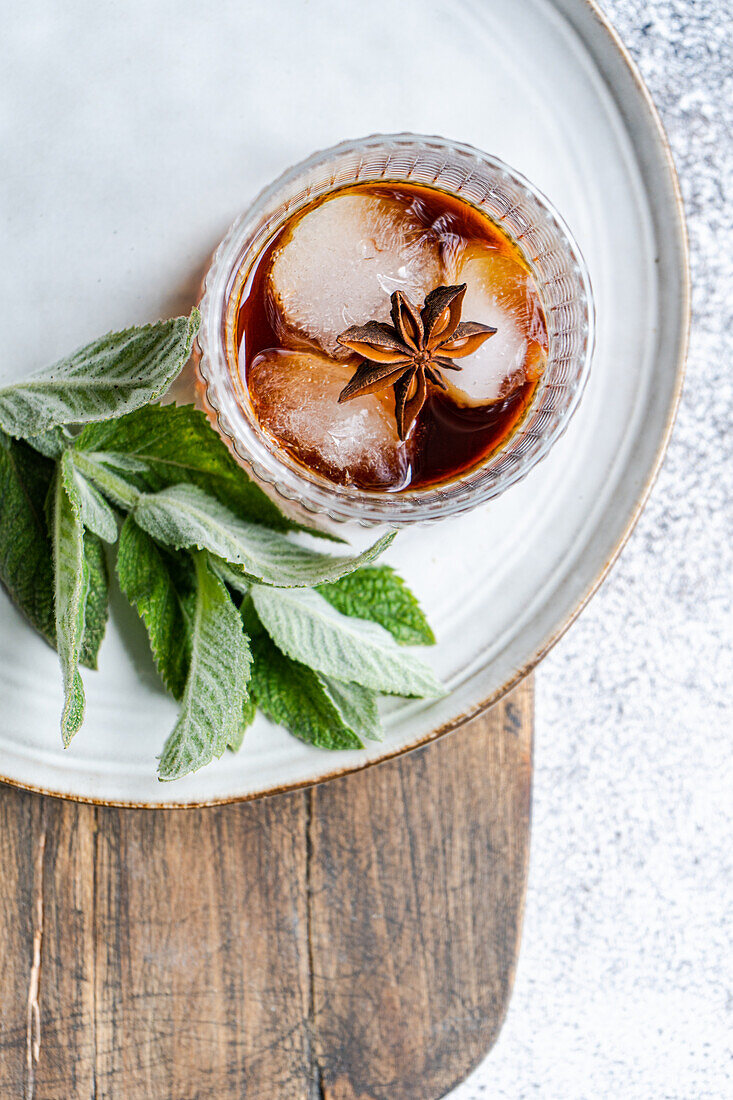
point(26, 561)
point(293, 695)
point(96, 514)
point(96, 605)
point(111, 376)
point(356, 705)
point(70, 584)
point(249, 710)
point(307, 628)
point(185, 517)
point(216, 686)
point(233, 575)
point(377, 593)
point(162, 589)
point(164, 445)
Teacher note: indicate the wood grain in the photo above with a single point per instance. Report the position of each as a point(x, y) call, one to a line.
point(417, 884)
point(352, 942)
point(202, 960)
point(46, 958)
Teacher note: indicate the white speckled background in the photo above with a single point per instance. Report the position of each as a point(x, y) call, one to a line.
point(624, 982)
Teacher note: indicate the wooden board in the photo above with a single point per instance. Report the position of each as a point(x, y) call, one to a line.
point(356, 941)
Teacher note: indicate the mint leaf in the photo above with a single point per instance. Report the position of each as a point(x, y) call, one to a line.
point(249, 710)
point(71, 574)
point(185, 517)
point(26, 561)
point(109, 377)
point(52, 443)
point(233, 575)
point(107, 477)
point(196, 528)
point(96, 609)
point(293, 696)
point(377, 593)
point(357, 706)
point(111, 460)
point(96, 514)
point(307, 628)
point(171, 444)
point(216, 686)
point(252, 625)
point(160, 590)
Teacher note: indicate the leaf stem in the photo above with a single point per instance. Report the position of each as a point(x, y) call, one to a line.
point(120, 491)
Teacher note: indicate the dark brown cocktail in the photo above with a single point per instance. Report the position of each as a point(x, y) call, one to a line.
point(344, 361)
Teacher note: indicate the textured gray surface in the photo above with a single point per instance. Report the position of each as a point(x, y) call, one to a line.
point(624, 981)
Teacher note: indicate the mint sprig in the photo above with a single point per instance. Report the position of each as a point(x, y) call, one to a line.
point(107, 378)
point(240, 611)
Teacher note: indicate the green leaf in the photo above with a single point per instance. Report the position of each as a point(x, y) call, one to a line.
point(126, 463)
point(26, 560)
point(249, 710)
point(96, 609)
point(233, 575)
point(109, 377)
point(252, 625)
point(71, 574)
point(107, 478)
point(293, 696)
point(159, 588)
point(307, 628)
point(52, 443)
point(96, 514)
point(185, 517)
point(357, 706)
point(377, 593)
point(216, 687)
point(168, 445)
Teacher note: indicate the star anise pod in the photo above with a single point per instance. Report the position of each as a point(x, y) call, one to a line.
point(413, 350)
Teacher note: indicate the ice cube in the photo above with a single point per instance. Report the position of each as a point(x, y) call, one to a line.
point(341, 262)
point(499, 292)
point(295, 396)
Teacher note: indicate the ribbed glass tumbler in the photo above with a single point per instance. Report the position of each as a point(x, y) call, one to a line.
point(520, 211)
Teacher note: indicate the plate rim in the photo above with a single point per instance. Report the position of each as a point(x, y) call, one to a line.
point(606, 27)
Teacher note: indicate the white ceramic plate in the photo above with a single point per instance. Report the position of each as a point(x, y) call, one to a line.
point(135, 135)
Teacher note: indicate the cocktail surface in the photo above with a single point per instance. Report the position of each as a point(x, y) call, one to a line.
point(338, 264)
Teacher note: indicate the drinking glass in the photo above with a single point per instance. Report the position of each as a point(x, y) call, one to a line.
point(510, 201)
